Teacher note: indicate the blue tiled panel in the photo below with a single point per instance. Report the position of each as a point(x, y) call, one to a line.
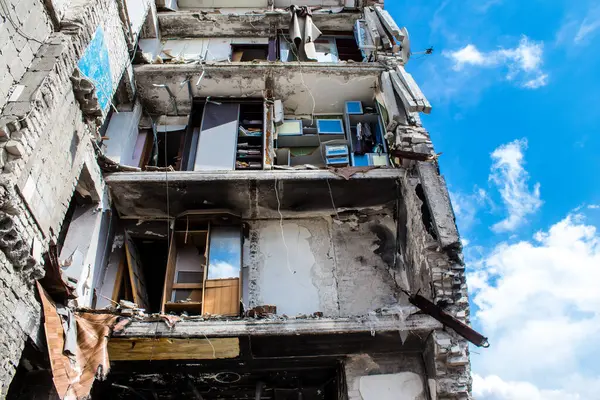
point(330, 126)
point(95, 65)
point(354, 107)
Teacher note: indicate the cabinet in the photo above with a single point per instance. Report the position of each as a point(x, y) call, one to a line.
point(203, 273)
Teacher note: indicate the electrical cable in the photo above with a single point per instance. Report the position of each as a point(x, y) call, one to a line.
point(6, 10)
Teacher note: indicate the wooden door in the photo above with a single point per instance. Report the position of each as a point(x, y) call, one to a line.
point(136, 274)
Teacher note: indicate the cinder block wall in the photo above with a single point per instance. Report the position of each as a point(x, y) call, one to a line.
point(45, 140)
point(24, 26)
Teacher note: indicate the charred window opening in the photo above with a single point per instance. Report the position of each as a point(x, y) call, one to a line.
point(169, 148)
point(425, 214)
point(275, 379)
point(153, 255)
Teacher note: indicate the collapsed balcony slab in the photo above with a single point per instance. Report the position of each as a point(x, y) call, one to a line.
point(253, 195)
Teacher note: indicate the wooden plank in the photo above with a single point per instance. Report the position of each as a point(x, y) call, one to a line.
point(140, 349)
point(389, 23)
point(118, 280)
point(410, 105)
point(187, 286)
point(170, 272)
point(136, 274)
point(221, 297)
point(414, 89)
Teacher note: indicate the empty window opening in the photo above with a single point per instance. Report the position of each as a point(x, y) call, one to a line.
point(169, 148)
point(153, 256)
point(425, 214)
point(249, 52)
point(330, 48)
point(277, 379)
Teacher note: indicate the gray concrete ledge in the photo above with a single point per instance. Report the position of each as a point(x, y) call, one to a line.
point(419, 324)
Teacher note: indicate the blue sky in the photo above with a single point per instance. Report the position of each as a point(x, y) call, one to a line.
point(515, 88)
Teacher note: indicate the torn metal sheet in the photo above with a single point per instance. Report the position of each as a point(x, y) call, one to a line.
point(303, 33)
point(448, 320)
point(347, 172)
point(74, 380)
point(53, 281)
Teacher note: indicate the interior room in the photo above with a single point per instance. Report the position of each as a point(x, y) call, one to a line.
point(197, 271)
point(352, 138)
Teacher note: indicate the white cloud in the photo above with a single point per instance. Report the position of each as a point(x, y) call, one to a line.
point(221, 270)
point(493, 387)
point(588, 27)
point(538, 82)
point(523, 62)
point(511, 179)
point(466, 207)
point(539, 303)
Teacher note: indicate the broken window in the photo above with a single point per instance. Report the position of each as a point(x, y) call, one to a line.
point(134, 271)
point(249, 52)
point(197, 271)
point(329, 48)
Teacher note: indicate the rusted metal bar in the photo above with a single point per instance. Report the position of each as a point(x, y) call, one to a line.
point(448, 320)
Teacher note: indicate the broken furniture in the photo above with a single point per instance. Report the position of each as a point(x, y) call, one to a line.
point(230, 136)
point(306, 139)
point(203, 273)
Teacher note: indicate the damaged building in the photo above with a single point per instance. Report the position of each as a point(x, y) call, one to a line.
point(222, 199)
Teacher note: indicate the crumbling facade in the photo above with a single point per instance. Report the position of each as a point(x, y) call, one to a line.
point(222, 199)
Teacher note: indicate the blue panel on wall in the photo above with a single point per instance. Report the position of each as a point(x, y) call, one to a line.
point(354, 107)
point(330, 126)
point(95, 65)
point(360, 160)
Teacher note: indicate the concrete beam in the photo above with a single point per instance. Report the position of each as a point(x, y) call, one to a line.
point(420, 324)
point(214, 24)
point(438, 202)
point(293, 83)
point(254, 195)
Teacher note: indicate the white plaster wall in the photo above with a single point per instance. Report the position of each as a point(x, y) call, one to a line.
point(85, 239)
point(309, 265)
point(303, 92)
point(122, 133)
point(137, 11)
point(295, 275)
point(400, 386)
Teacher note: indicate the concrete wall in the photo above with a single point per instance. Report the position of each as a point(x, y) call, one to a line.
point(341, 268)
